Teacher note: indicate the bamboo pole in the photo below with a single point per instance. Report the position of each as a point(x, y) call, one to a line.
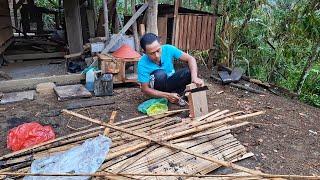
point(193, 130)
point(106, 174)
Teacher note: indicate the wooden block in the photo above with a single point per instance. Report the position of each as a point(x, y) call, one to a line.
point(71, 92)
point(17, 96)
point(88, 103)
point(45, 88)
point(198, 104)
point(31, 83)
point(11, 58)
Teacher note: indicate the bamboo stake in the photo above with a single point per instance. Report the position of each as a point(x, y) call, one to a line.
point(106, 174)
point(197, 129)
point(111, 121)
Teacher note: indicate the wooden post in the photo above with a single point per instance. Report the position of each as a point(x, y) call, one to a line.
point(152, 18)
point(15, 12)
point(135, 28)
point(91, 19)
point(106, 22)
point(142, 29)
point(73, 25)
point(114, 40)
point(175, 15)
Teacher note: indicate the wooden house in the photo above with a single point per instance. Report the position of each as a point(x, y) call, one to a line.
point(6, 33)
point(192, 30)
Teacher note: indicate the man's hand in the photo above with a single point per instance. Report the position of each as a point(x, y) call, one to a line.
point(173, 97)
point(199, 82)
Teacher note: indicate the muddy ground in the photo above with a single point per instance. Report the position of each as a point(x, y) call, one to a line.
point(285, 140)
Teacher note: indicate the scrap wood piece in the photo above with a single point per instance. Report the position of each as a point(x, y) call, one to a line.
point(240, 86)
point(246, 78)
point(162, 141)
point(198, 104)
point(71, 92)
point(45, 88)
point(89, 103)
point(17, 96)
point(116, 38)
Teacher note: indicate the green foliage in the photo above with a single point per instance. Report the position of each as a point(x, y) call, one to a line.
point(276, 43)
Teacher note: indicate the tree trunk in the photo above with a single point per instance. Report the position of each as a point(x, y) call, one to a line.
point(312, 59)
point(152, 18)
point(135, 28)
point(106, 20)
point(235, 40)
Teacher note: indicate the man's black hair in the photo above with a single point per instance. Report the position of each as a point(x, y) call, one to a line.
point(147, 39)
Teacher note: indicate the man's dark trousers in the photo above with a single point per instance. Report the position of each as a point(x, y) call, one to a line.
point(175, 83)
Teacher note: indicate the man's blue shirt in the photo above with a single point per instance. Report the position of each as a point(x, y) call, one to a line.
point(146, 66)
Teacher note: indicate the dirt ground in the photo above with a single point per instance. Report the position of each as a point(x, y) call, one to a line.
point(285, 140)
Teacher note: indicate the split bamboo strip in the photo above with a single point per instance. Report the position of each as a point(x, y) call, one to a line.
point(189, 124)
point(215, 113)
point(162, 174)
point(135, 158)
point(193, 130)
point(170, 152)
point(127, 148)
point(179, 158)
point(168, 113)
point(202, 127)
point(15, 167)
point(134, 121)
point(144, 123)
point(164, 153)
point(119, 159)
point(207, 115)
point(215, 117)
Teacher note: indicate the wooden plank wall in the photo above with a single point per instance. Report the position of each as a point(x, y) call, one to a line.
point(5, 22)
point(162, 28)
point(195, 32)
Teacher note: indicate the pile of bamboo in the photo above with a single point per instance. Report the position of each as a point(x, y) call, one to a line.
point(163, 144)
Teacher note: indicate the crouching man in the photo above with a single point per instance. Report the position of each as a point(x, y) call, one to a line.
point(156, 71)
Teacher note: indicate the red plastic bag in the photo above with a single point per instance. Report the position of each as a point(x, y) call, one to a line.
point(27, 135)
